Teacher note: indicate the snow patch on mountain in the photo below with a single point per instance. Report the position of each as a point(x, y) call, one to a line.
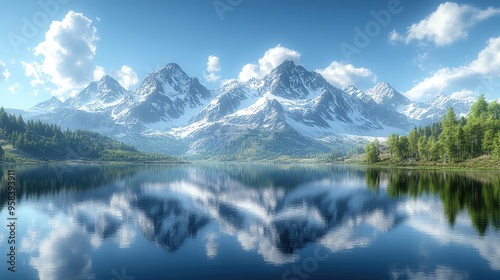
point(98, 96)
point(45, 107)
point(173, 107)
point(384, 94)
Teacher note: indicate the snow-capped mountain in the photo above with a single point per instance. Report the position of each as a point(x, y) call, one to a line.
point(384, 94)
point(289, 110)
point(98, 96)
point(354, 91)
point(432, 111)
point(48, 106)
point(289, 100)
point(294, 82)
point(165, 95)
point(417, 113)
point(230, 98)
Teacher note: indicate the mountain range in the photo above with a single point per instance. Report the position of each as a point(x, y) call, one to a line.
point(290, 111)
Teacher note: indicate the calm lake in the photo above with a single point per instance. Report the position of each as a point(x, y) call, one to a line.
point(250, 221)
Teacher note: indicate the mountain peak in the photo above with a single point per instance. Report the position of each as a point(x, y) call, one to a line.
point(384, 86)
point(356, 92)
point(106, 78)
point(288, 63)
point(47, 106)
point(172, 66)
point(383, 93)
point(169, 72)
point(106, 81)
point(98, 94)
point(352, 90)
point(286, 66)
point(293, 81)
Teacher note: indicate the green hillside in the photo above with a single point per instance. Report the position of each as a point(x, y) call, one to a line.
point(34, 141)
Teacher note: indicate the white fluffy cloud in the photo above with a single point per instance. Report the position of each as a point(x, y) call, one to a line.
point(463, 94)
point(34, 71)
point(126, 77)
point(99, 72)
point(449, 23)
point(4, 73)
point(213, 67)
point(470, 76)
point(67, 55)
point(63, 253)
point(14, 88)
point(213, 64)
point(341, 75)
point(271, 59)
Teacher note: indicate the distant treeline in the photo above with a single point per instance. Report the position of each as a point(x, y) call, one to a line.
point(49, 142)
point(452, 140)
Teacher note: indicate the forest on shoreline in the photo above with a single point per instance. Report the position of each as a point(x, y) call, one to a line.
point(36, 141)
point(451, 141)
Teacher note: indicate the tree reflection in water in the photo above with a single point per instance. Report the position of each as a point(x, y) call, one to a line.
point(476, 192)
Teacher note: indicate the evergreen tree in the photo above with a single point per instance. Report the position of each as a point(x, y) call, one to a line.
point(496, 149)
point(392, 143)
point(461, 143)
point(434, 149)
point(448, 135)
point(45, 141)
point(479, 109)
point(423, 148)
point(473, 131)
point(372, 150)
point(1, 152)
point(402, 148)
point(413, 143)
point(436, 130)
point(494, 110)
point(488, 143)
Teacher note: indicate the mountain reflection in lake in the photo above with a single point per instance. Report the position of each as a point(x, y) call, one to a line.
point(253, 222)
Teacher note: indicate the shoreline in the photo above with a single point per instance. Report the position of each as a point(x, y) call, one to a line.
point(404, 166)
point(91, 162)
point(482, 163)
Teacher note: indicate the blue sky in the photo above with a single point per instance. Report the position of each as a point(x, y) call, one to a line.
point(422, 48)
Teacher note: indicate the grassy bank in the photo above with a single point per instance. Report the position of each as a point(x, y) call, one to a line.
point(13, 155)
point(484, 162)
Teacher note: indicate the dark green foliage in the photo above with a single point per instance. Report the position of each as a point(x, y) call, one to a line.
point(476, 193)
point(398, 146)
point(372, 150)
point(1, 152)
point(49, 142)
point(452, 140)
point(448, 136)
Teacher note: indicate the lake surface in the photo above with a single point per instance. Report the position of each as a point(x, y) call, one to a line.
point(242, 221)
